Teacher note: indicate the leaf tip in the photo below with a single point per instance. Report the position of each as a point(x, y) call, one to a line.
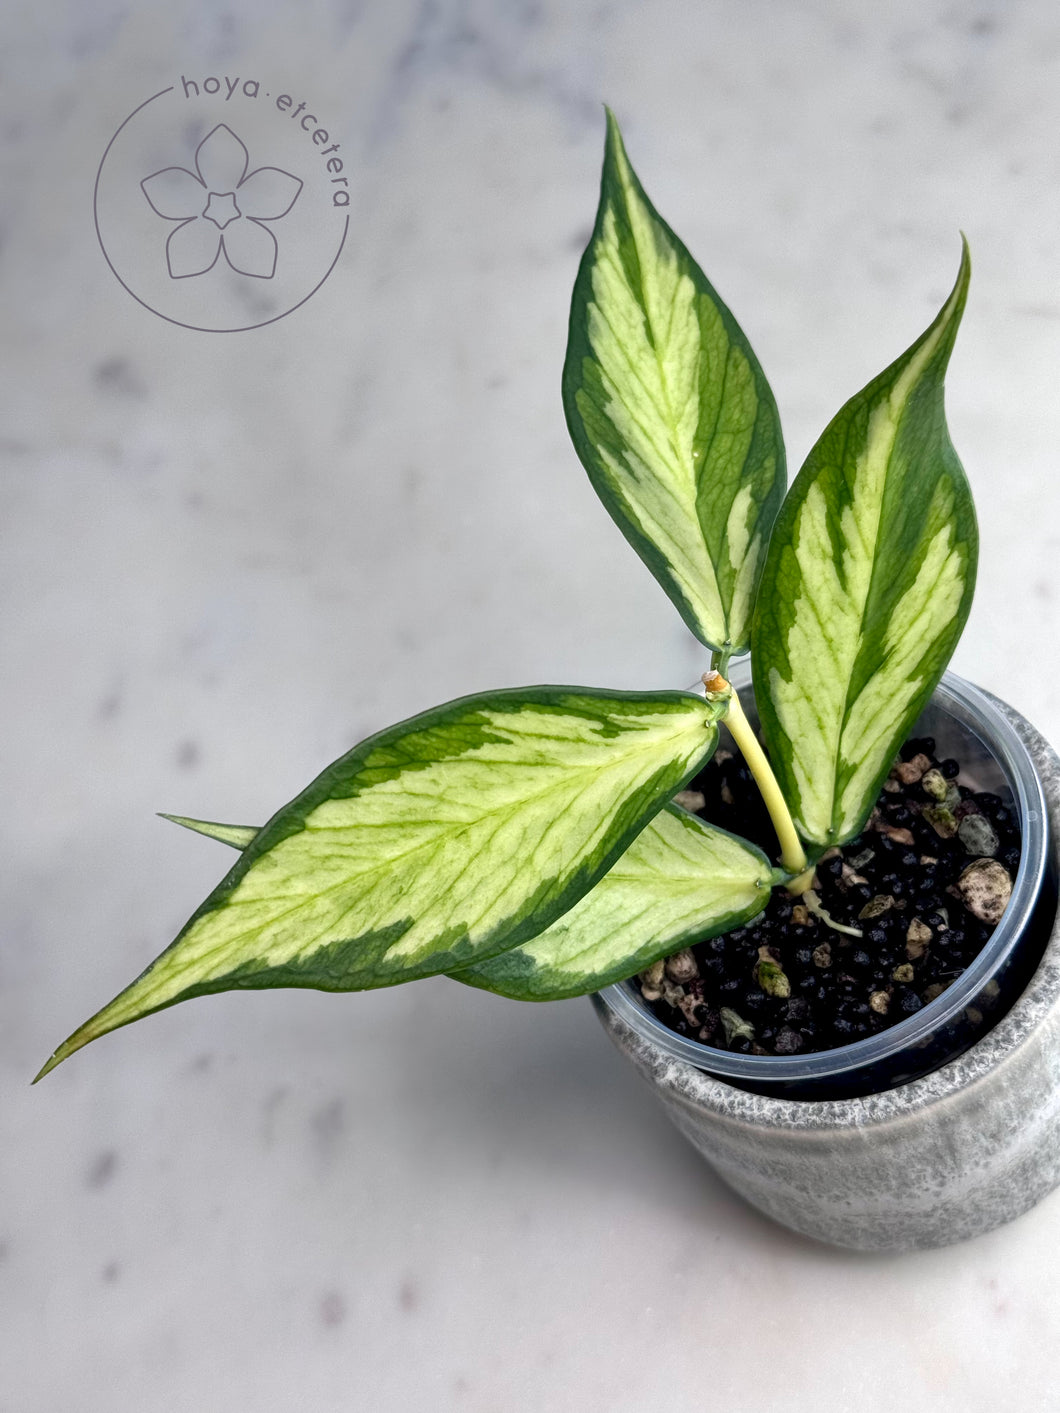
point(65, 1050)
point(237, 835)
point(121, 1011)
point(614, 146)
point(954, 306)
point(964, 272)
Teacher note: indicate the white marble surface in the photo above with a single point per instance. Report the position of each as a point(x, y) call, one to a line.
point(227, 557)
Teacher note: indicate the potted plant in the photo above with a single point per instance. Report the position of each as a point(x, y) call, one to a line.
point(529, 842)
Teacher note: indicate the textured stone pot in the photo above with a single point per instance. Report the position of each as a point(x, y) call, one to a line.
point(950, 1155)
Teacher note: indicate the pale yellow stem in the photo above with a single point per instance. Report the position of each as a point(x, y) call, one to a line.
point(792, 854)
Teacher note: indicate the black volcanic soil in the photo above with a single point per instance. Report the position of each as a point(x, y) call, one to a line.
point(925, 883)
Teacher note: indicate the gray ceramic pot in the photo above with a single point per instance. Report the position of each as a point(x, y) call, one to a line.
point(950, 1155)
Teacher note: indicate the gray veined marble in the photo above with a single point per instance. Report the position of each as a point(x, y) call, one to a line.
point(230, 557)
point(949, 1156)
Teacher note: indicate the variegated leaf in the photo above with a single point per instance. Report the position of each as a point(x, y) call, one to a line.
point(670, 412)
point(866, 589)
point(438, 842)
point(680, 881)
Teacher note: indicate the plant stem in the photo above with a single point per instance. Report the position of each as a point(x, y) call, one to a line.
point(792, 854)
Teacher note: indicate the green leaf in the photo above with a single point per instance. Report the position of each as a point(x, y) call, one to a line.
point(434, 844)
point(237, 835)
point(670, 412)
point(866, 589)
point(680, 881)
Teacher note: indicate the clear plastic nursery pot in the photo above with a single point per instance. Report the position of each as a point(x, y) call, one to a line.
point(967, 724)
point(941, 1127)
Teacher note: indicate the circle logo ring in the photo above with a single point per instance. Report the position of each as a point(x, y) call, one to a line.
point(199, 328)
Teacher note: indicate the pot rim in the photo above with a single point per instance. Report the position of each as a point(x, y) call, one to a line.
point(1017, 751)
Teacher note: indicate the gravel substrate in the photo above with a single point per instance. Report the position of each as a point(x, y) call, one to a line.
point(925, 884)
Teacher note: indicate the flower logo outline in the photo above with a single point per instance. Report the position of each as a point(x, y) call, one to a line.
point(221, 208)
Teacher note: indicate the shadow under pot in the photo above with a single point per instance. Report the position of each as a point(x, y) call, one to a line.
point(940, 1127)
